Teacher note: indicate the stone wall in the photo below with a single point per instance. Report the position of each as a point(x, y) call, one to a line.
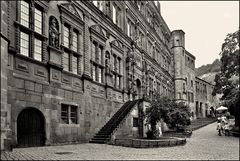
point(5, 110)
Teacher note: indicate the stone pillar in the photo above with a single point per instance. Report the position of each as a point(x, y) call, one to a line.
point(5, 111)
point(87, 51)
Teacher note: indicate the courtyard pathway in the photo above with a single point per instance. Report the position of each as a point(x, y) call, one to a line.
point(204, 144)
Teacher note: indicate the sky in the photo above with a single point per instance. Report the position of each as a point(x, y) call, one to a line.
point(205, 23)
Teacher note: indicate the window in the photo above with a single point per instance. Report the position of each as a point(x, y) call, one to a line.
point(38, 21)
point(75, 41)
point(68, 114)
point(116, 15)
point(191, 83)
point(37, 49)
point(135, 122)
point(24, 14)
point(31, 38)
point(75, 64)
point(99, 4)
point(117, 71)
point(97, 61)
point(71, 56)
point(24, 44)
point(66, 37)
point(66, 61)
point(94, 73)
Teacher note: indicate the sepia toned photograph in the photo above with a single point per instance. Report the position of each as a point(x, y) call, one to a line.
point(119, 80)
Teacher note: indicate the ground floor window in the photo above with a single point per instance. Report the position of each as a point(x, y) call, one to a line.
point(68, 114)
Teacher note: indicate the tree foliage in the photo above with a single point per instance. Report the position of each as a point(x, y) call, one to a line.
point(227, 81)
point(172, 113)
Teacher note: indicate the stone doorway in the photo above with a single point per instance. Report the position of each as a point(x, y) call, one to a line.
point(30, 128)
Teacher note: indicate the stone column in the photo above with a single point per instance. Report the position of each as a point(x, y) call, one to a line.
point(86, 54)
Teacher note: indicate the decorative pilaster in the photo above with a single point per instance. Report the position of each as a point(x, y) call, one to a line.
point(86, 54)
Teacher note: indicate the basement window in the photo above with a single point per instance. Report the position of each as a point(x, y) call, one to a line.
point(68, 114)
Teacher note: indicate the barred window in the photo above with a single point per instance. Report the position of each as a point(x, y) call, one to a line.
point(75, 41)
point(66, 36)
point(64, 114)
point(24, 44)
point(37, 49)
point(68, 114)
point(38, 21)
point(66, 61)
point(24, 13)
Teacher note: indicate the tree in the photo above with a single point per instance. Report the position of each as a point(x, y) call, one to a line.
point(227, 81)
point(172, 113)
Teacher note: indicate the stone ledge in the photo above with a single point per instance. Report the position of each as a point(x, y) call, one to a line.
point(144, 143)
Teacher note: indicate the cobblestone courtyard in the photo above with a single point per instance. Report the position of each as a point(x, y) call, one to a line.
point(204, 144)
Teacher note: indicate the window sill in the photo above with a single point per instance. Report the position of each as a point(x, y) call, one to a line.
point(72, 74)
point(69, 125)
point(31, 59)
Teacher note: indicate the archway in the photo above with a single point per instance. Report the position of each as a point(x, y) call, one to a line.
point(30, 128)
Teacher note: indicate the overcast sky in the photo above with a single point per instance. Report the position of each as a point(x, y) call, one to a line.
point(205, 23)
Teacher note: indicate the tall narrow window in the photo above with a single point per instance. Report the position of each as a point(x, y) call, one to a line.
point(66, 37)
point(73, 114)
point(99, 75)
point(24, 44)
point(66, 61)
point(24, 13)
point(100, 55)
point(75, 41)
point(114, 15)
point(64, 114)
point(94, 72)
point(37, 49)
point(93, 51)
point(38, 21)
point(74, 65)
point(128, 28)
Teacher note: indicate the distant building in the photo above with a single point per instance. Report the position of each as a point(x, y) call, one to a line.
point(68, 66)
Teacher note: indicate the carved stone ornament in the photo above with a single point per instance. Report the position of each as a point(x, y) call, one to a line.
point(53, 32)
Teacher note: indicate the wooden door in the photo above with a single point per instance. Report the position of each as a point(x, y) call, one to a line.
point(30, 128)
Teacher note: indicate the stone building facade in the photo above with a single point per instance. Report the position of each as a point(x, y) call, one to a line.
point(68, 66)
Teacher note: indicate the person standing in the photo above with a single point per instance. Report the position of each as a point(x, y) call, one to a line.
point(219, 127)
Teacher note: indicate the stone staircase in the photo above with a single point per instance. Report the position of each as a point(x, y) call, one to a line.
point(104, 134)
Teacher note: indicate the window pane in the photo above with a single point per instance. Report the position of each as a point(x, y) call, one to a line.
point(100, 55)
point(100, 75)
point(38, 21)
point(117, 82)
point(74, 65)
point(75, 41)
point(73, 115)
point(24, 13)
point(94, 72)
point(93, 51)
point(64, 114)
point(24, 44)
point(37, 49)
point(66, 37)
point(114, 15)
point(65, 61)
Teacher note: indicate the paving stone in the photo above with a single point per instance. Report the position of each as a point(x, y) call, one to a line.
point(204, 144)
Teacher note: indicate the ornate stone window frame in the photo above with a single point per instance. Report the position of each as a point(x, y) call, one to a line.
point(97, 37)
point(69, 17)
point(31, 30)
point(117, 54)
